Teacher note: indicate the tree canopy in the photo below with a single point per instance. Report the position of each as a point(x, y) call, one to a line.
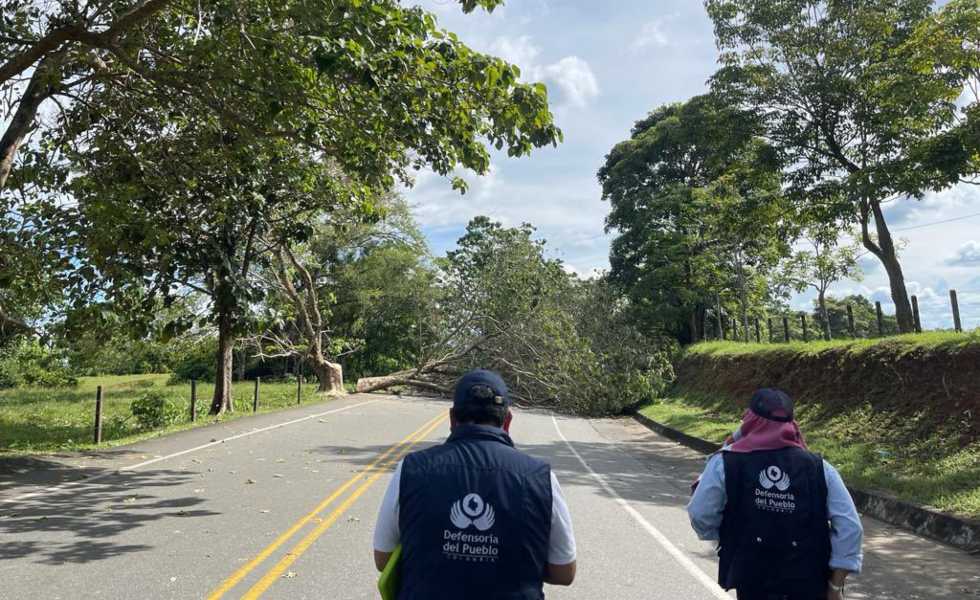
point(209, 127)
point(695, 197)
point(842, 96)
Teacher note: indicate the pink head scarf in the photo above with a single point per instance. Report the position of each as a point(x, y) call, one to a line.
point(760, 433)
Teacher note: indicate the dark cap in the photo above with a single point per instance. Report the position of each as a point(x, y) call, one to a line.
point(772, 404)
point(481, 387)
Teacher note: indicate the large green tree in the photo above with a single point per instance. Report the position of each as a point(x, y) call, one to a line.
point(503, 304)
point(695, 198)
point(186, 210)
point(220, 52)
point(843, 96)
point(308, 107)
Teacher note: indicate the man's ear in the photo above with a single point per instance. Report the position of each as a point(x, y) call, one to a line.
point(507, 420)
point(452, 419)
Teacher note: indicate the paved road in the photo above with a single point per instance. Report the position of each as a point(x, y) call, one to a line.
point(282, 506)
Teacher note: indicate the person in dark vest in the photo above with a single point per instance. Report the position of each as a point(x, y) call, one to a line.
point(476, 518)
point(787, 526)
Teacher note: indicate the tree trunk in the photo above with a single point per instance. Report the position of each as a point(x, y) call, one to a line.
point(329, 374)
point(888, 255)
point(221, 402)
point(822, 299)
point(695, 330)
point(366, 385)
point(742, 300)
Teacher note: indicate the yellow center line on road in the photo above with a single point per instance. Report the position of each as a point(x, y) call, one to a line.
point(420, 433)
point(303, 545)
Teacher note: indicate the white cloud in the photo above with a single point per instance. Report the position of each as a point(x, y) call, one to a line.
point(653, 35)
point(572, 75)
point(968, 255)
point(519, 51)
point(575, 78)
point(934, 206)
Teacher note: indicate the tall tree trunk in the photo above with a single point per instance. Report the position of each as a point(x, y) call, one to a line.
point(886, 252)
point(742, 299)
point(221, 402)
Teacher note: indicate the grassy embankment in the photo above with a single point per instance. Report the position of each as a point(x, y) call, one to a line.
point(899, 415)
point(45, 420)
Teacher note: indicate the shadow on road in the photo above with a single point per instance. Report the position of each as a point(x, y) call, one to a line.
point(80, 524)
point(25, 471)
point(648, 470)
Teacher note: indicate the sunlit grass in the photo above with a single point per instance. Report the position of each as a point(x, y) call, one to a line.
point(946, 341)
point(45, 420)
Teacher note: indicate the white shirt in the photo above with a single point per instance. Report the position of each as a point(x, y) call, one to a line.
point(561, 543)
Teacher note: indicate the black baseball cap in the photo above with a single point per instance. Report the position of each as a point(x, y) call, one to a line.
point(481, 387)
point(772, 404)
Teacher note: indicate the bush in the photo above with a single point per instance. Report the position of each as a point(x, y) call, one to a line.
point(28, 363)
point(120, 355)
point(195, 360)
point(156, 409)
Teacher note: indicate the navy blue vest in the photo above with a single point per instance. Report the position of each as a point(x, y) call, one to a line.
point(475, 518)
point(775, 534)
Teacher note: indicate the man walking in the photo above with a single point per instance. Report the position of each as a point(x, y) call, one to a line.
point(787, 526)
point(476, 518)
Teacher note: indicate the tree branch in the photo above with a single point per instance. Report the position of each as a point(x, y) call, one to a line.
point(41, 86)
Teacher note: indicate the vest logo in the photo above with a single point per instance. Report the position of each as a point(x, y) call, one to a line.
point(774, 477)
point(472, 510)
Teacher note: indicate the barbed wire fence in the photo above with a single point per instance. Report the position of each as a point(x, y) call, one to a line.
point(793, 326)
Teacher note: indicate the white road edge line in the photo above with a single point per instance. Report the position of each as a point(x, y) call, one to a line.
point(689, 566)
point(63, 486)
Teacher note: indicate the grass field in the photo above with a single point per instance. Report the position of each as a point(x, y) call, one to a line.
point(931, 471)
point(45, 420)
point(948, 341)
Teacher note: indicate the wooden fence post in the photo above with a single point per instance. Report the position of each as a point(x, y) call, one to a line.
point(806, 332)
point(718, 326)
point(193, 400)
point(957, 323)
point(98, 415)
point(881, 319)
point(786, 328)
point(255, 395)
point(299, 388)
point(850, 321)
point(758, 331)
point(915, 315)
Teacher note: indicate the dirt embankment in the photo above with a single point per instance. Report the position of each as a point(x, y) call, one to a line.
point(909, 385)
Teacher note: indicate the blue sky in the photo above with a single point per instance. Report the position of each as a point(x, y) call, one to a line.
point(606, 65)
